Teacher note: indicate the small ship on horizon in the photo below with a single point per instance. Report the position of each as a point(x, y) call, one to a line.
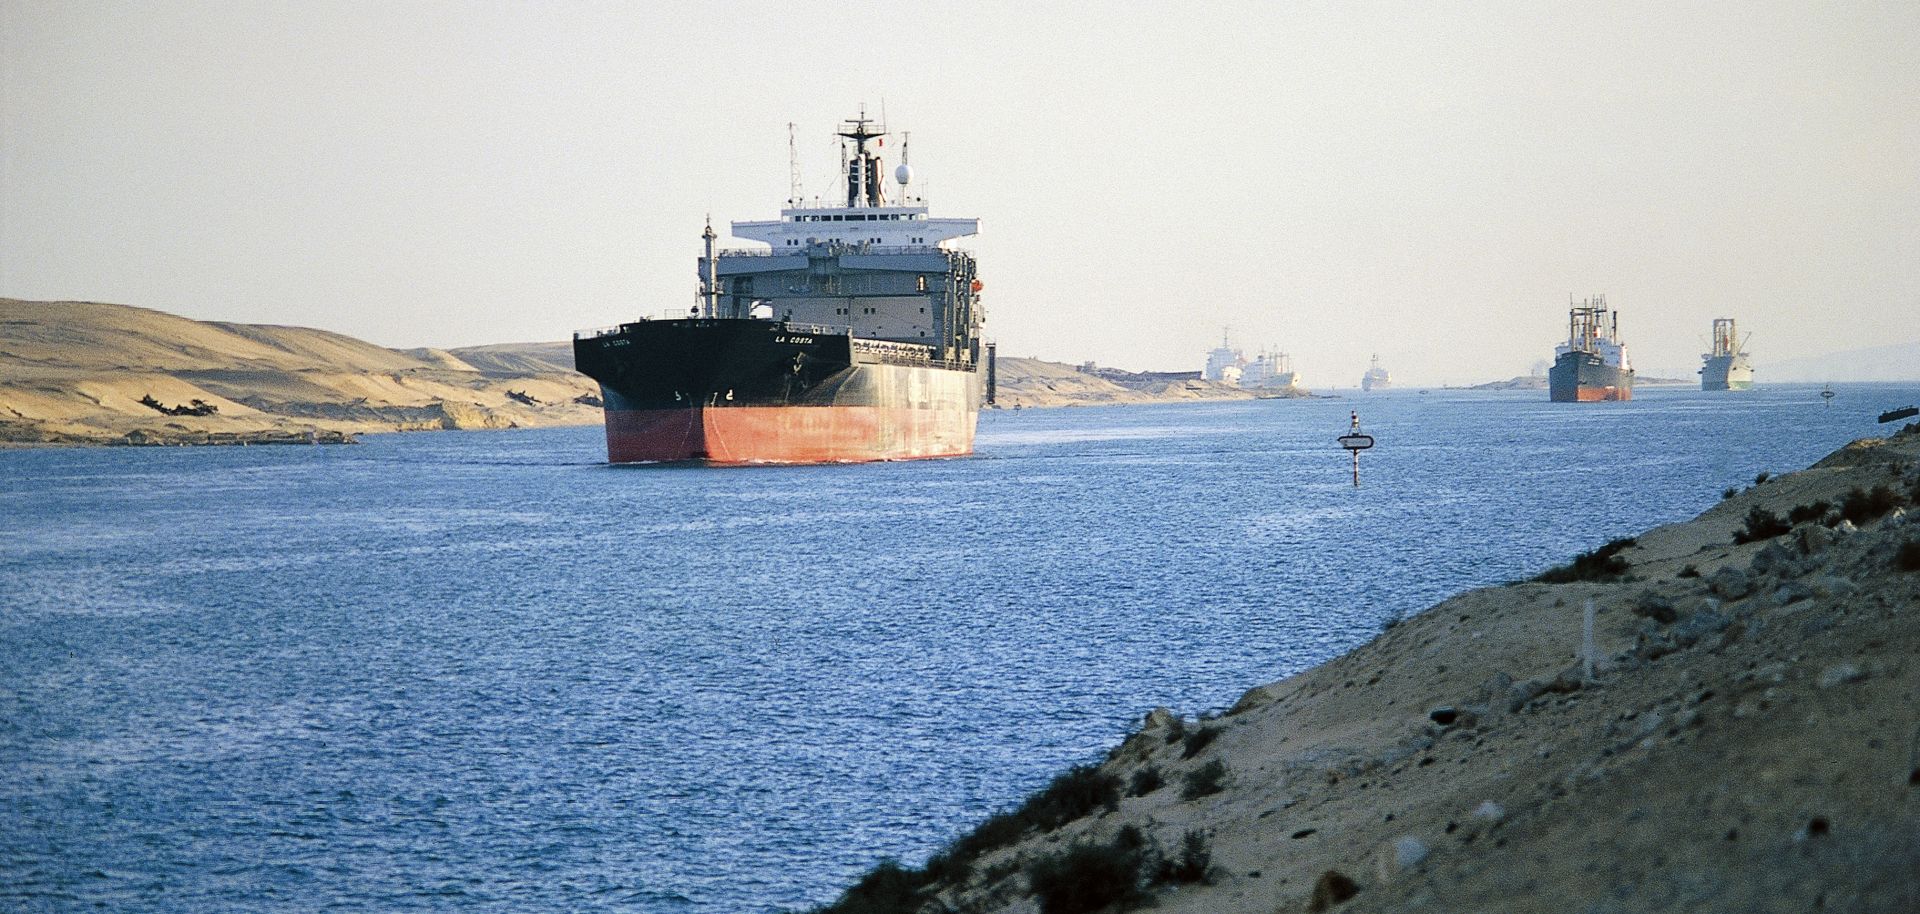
point(1376, 378)
point(1727, 367)
point(1270, 369)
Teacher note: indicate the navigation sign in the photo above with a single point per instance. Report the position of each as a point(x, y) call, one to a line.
point(1355, 441)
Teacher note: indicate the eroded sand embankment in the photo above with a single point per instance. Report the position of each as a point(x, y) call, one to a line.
point(1748, 740)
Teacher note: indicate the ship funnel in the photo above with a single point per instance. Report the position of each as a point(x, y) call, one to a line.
point(876, 187)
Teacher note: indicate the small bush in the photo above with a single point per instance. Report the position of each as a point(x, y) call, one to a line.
point(1688, 572)
point(885, 889)
point(1863, 507)
point(1077, 793)
point(1002, 870)
point(1763, 477)
point(1198, 741)
point(1083, 789)
point(1813, 512)
point(1728, 492)
point(1195, 863)
point(1204, 781)
point(1146, 781)
point(1908, 558)
point(1762, 524)
point(1090, 876)
point(1601, 564)
point(999, 830)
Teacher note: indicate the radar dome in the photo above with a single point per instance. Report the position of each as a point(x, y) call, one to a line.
point(903, 174)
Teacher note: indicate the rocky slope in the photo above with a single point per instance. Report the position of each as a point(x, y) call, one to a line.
point(1739, 732)
point(78, 372)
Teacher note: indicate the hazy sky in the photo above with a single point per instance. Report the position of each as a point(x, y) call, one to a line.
point(1426, 180)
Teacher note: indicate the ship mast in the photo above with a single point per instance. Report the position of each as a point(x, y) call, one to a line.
point(710, 287)
point(794, 194)
point(864, 184)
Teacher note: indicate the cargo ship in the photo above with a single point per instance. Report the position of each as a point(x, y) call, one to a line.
point(853, 336)
point(1376, 378)
point(1592, 364)
point(1726, 366)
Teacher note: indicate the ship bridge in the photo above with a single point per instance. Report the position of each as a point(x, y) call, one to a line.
point(889, 226)
point(874, 269)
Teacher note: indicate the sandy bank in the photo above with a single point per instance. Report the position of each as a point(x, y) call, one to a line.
point(80, 373)
point(1030, 383)
point(1748, 739)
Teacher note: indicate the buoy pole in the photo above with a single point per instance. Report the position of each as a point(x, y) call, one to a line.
point(1355, 441)
point(1356, 451)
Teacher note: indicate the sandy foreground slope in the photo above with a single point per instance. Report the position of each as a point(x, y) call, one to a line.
point(75, 372)
point(1748, 741)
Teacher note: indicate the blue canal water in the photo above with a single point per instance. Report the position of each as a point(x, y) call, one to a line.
point(486, 672)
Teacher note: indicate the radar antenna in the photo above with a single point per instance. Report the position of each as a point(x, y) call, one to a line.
point(904, 174)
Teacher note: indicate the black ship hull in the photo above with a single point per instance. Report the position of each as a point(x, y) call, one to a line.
point(1583, 377)
point(758, 391)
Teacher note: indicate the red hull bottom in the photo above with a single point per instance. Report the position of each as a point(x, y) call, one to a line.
point(788, 434)
point(1601, 394)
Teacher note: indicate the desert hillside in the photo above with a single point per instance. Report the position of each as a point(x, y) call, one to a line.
point(94, 373)
point(1721, 715)
point(1033, 382)
point(78, 372)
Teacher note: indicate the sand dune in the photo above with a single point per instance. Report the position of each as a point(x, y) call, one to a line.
point(519, 358)
point(1035, 382)
point(76, 372)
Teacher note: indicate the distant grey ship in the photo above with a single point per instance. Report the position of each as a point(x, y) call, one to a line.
point(1726, 366)
point(1592, 365)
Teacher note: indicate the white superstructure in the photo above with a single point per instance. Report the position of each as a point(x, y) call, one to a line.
point(1224, 363)
point(883, 226)
point(867, 219)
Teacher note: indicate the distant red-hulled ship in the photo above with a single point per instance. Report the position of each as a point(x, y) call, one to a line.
point(854, 337)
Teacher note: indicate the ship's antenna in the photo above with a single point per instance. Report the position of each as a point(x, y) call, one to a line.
point(843, 165)
point(794, 195)
point(906, 143)
point(710, 285)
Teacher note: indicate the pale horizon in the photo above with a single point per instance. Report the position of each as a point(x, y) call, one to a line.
point(1426, 182)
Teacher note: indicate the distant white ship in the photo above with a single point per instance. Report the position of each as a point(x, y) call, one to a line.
point(1270, 370)
point(1376, 378)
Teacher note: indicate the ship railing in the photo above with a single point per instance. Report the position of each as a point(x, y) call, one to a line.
point(817, 329)
point(908, 354)
point(907, 350)
point(847, 247)
point(596, 332)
